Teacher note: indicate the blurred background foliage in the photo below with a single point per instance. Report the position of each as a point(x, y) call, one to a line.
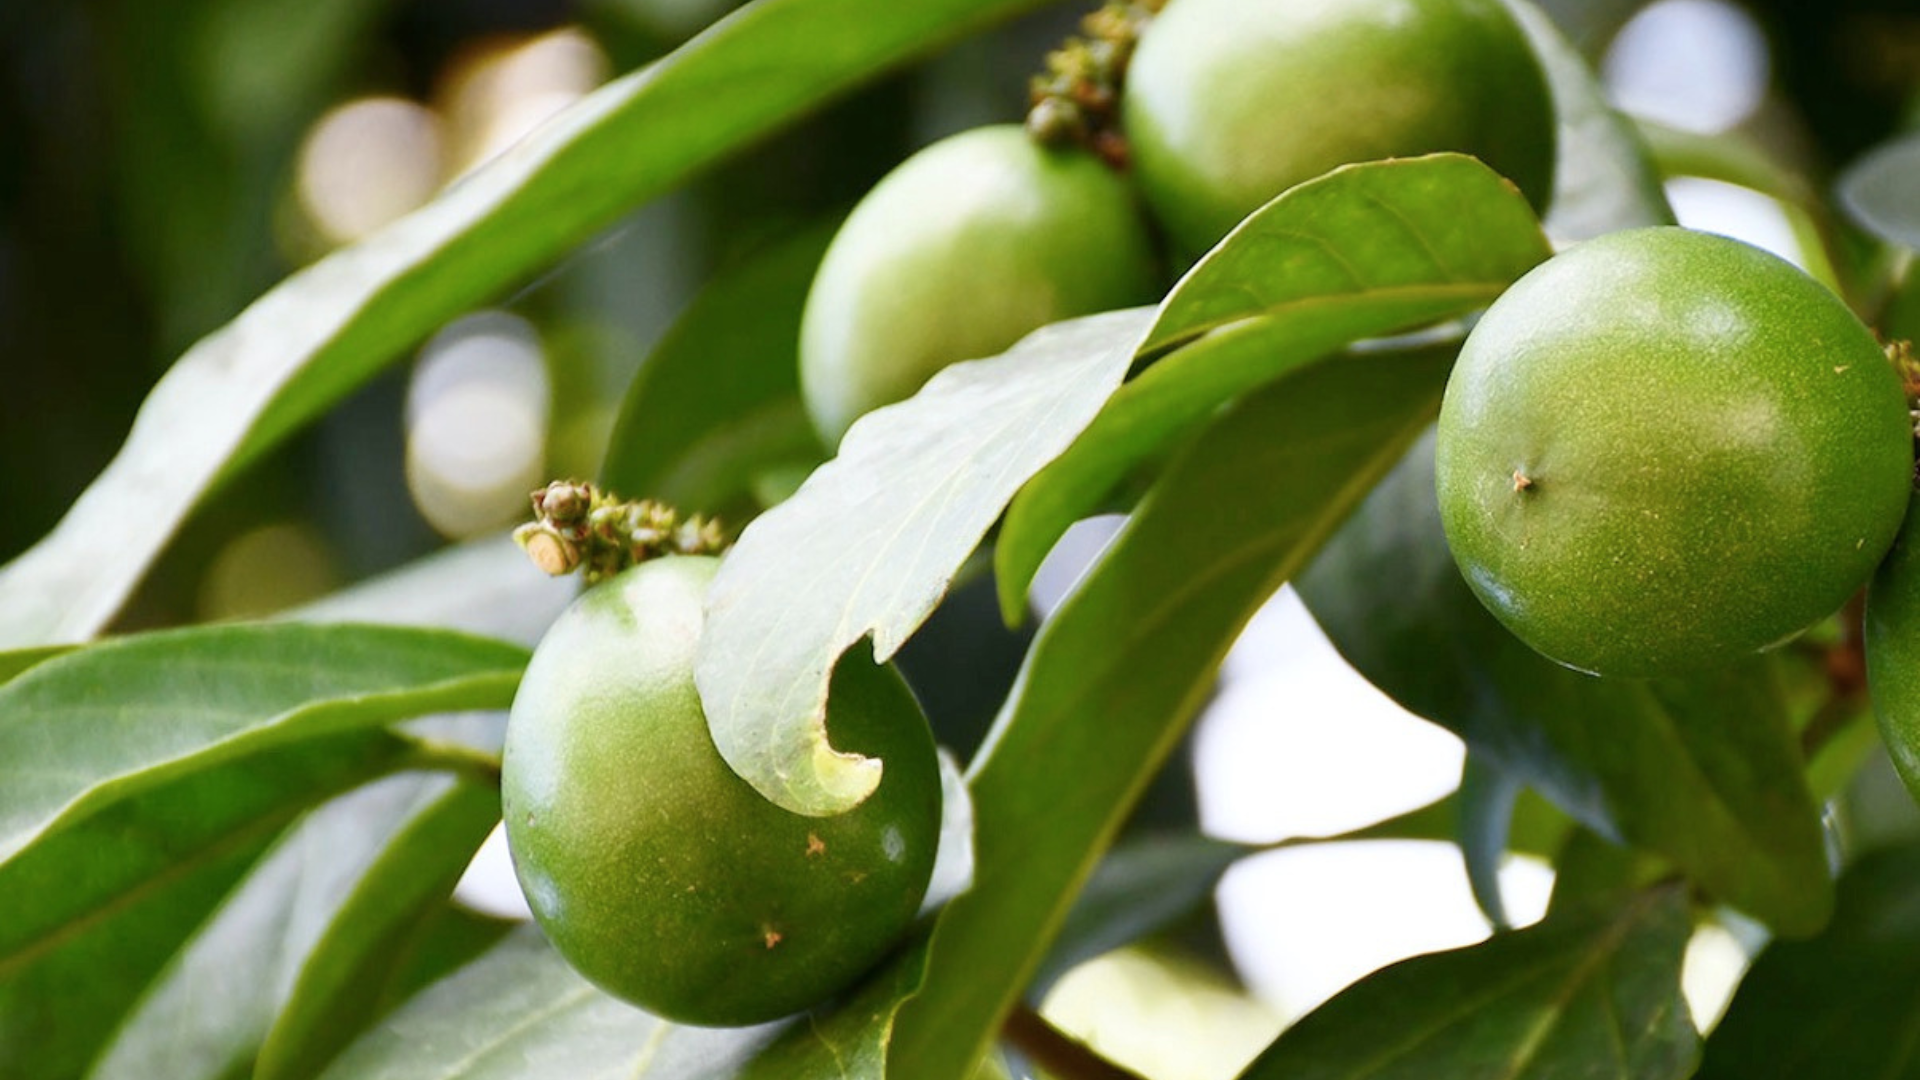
point(163, 164)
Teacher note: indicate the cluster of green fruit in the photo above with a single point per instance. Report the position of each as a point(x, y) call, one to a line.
point(979, 239)
point(1659, 450)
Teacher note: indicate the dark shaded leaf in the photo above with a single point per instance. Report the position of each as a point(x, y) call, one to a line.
point(1881, 191)
point(1590, 996)
point(1706, 771)
point(717, 403)
point(1840, 1006)
point(1603, 177)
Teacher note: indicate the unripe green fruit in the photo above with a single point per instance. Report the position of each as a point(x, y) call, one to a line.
point(966, 247)
point(1228, 103)
point(653, 868)
point(1665, 450)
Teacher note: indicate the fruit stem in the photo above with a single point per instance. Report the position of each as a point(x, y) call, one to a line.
point(1077, 100)
point(577, 525)
point(1058, 1053)
point(435, 755)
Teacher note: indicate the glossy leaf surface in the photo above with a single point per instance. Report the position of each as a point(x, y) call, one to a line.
point(1590, 995)
point(83, 731)
point(1116, 674)
point(1365, 251)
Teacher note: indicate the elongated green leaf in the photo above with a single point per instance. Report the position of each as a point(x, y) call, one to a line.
point(1595, 995)
point(1487, 800)
point(327, 329)
point(79, 732)
point(1839, 1006)
point(1881, 191)
point(1118, 671)
point(347, 979)
point(1365, 251)
point(718, 401)
point(1141, 886)
point(519, 1012)
point(1706, 770)
point(205, 1016)
point(873, 539)
point(15, 661)
point(1603, 177)
point(94, 911)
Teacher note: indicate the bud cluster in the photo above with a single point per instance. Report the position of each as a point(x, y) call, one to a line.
point(577, 525)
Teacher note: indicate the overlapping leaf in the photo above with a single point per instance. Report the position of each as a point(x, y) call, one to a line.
point(1116, 674)
point(873, 539)
point(84, 730)
point(718, 400)
point(1881, 191)
point(304, 345)
point(94, 911)
point(1594, 994)
point(206, 1016)
point(1364, 251)
point(1842, 1005)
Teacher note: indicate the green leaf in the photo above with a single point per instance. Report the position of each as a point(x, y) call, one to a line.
point(1892, 641)
point(1881, 193)
point(1706, 771)
point(717, 403)
point(1119, 670)
point(1367, 250)
point(520, 1012)
point(207, 1013)
point(15, 661)
point(347, 980)
point(1603, 176)
point(95, 909)
point(1487, 799)
point(329, 328)
point(1140, 886)
point(873, 539)
point(1839, 1006)
point(1595, 995)
point(85, 730)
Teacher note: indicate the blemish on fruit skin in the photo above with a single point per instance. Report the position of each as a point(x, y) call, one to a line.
point(769, 935)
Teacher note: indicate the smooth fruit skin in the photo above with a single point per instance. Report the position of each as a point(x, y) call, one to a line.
point(1665, 450)
point(657, 872)
point(1228, 103)
point(966, 247)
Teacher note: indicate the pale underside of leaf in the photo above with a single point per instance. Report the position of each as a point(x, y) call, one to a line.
point(870, 543)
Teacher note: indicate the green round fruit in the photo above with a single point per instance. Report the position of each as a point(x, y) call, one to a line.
point(653, 868)
point(966, 247)
point(1665, 450)
point(1228, 103)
